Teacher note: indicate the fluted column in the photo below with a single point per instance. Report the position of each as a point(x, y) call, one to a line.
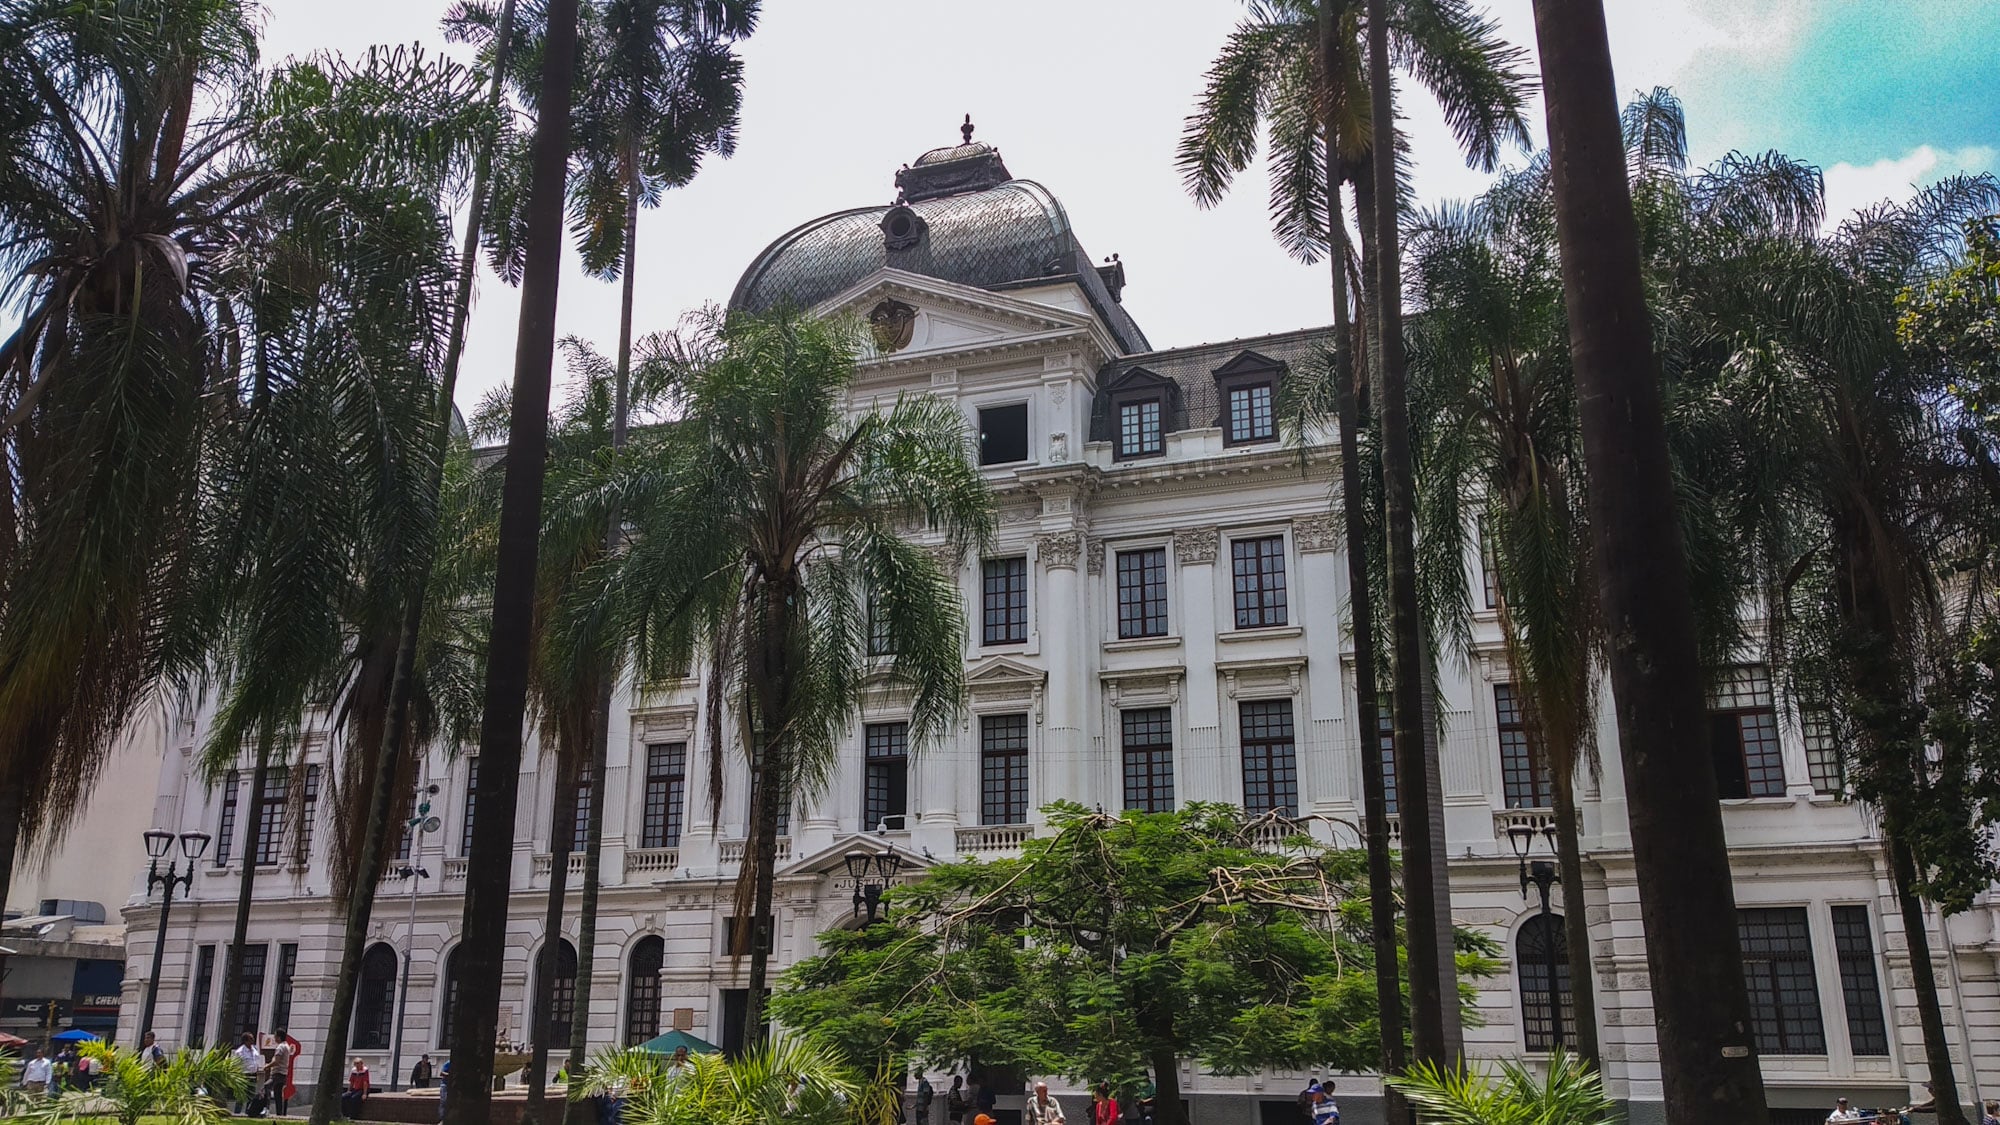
point(1201, 772)
point(1063, 743)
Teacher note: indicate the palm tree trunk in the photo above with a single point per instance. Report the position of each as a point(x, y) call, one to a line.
point(767, 797)
point(771, 790)
point(1708, 1060)
point(482, 955)
point(562, 832)
point(1576, 923)
point(232, 976)
point(1361, 619)
point(1923, 980)
point(402, 684)
point(1424, 891)
point(600, 751)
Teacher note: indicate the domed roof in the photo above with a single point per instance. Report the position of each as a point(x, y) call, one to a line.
point(968, 151)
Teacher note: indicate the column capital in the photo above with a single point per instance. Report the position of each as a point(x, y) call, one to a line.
point(1316, 533)
point(1059, 550)
point(1196, 545)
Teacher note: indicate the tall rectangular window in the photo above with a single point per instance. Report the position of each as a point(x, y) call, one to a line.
point(1004, 601)
point(225, 828)
point(1258, 570)
point(881, 639)
point(281, 993)
point(1385, 744)
point(1823, 764)
point(1003, 769)
point(204, 983)
point(1489, 567)
point(269, 817)
point(756, 769)
point(585, 804)
point(1142, 593)
point(1270, 758)
point(471, 806)
point(1251, 417)
point(1139, 433)
point(1778, 971)
point(1148, 738)
point(1743, 724)
point(1523, 772)
point(250, 991)
point(886, 788)
point(1003, 434)
point(1860, 990)
point(666, 795)
point(308, 813)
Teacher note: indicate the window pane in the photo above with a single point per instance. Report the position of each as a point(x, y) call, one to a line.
point(562, 992)
point(1004, 601)
point(1385, 728)
point(1003, 769)
point(225, 828)
point(1527, 786)
point(1250, 417)
point(580, 811)
point(1542, 944)
point(1258, 567)
point(471, 806)
point(1489, 569)
point(1149, 759)
point(281, 996)
point(374, 999)
point(448, 998)
point(204, 983)
point(642, 993)
point(1139, 428)
point(665, 796)
point(309, 813)
point(1003, 434)
point(1743, 725)
point(1778, 971)
point(1270, 761)
point(886, 791)
point(1142, 593)
point(1860, 991)
point(249, 1006)
point(1823, 764)
point(269, 823)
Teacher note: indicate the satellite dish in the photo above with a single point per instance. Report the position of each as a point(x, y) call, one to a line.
point(432, 824)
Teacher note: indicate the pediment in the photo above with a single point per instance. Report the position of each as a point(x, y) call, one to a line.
point(1139, 379)
point(1246, 362)
point(832, 859)
point(924, 316)
point(1002, 671)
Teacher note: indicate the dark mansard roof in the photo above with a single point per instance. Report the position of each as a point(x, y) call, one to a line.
point(1193, 400)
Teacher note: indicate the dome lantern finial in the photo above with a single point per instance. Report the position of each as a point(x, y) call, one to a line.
point(965, 130)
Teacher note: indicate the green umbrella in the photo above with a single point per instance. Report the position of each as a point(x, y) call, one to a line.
point(672, 1040)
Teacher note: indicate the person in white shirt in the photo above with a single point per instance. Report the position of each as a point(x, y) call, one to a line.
point(1043, 1109)
point(1842, 1114)
point(37, 1073)
point(251, 1060)
point(151, 1053)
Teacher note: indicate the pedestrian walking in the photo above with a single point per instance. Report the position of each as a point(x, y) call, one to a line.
point(38, 1074)
point(925, 1095)
point(955, 1103)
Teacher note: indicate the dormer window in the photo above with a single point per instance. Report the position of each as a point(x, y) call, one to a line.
point(1139, 432)
point(1248, 387)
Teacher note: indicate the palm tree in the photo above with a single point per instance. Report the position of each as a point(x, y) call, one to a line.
point(1295, 66)
point(778, 540)
point(1571, 1093)
point(189, 1088)
point(483, 953)
point(1701, 1009)
point(666, 90)
point(789, 1081)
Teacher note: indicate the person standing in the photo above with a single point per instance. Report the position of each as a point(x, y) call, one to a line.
point(355, 1096)
point(1043, 1109)
point(444, 1085)
point(278, 1076)
point(1991, 1114)
point(151, 1053)
point(925, 1095)
point(1325, 1110)
point(38, 1073)
point(420, 1074)
point(252, 1061)
point(955, 1101)
point(1103, 1107)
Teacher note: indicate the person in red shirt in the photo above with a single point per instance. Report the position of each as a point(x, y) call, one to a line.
point(356, 1094)
point(1103, 1107)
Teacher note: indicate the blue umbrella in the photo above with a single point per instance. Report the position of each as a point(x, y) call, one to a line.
point(75, 1035)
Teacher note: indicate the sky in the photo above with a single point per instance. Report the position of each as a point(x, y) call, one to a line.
point(1088, 96)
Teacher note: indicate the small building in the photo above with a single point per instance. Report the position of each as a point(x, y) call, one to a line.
point(61, 971)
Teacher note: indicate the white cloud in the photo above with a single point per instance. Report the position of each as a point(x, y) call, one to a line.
point(1851, 187)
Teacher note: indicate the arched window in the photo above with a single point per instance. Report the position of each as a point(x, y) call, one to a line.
point(1541, 950)
point(446, 998)
point(375, 999)
point(562, 995)
point(642, 991)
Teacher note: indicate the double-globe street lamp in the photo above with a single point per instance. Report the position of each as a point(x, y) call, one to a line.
point(1542, 875)
point(159, 842)
point(419, 824)
point(868, 891)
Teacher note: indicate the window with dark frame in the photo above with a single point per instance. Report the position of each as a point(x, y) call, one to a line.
point(665, 796)
point(281, 993)
point(1250, 414)
point(1004, 601)
point(1823, 765)
point(1147, 737)
point(1142, 593)
point(580, 811)
point(225, 828)
point(750, 808)
point(1542, 938)
point(1778, 972)
point(1743, 725)
point(269, 817)
point(374, 999)
point(447, 998)
point(1003, 769)
point(1385, 742)
point(886, 786)
point(642, 990)
point(1003, 434)
point(471, 806)
point(562, 990)
point(1489, 567)
point(881, 640)
point(1258, 572)
point(308, 814)
point(1270, 758)
point(1139, 429)
point(204, 983)
point(1860, 987)
point(1524, 778)
point(249, 1004)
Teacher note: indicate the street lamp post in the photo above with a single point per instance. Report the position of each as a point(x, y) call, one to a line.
point(1542, 875)
point(158, 842)
point(868, 891)
point(416, 826)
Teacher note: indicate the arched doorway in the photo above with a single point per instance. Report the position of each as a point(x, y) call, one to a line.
point(642, 990)
point(375, 999)
point(1541, 943)
point(562, 994)
point(447, 998)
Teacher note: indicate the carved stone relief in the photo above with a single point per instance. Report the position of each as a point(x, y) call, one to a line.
point(1196, 545)
point(1060, 550)
point(1315, 533)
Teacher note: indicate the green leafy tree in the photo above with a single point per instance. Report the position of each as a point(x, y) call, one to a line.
point(1112, 949)
point(782, 1082)
point(1954, 319)
point(188, 1090)
point(1570, 1093)
point(779, 546)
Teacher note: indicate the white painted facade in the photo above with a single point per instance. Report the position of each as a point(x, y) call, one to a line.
point(1068, 510)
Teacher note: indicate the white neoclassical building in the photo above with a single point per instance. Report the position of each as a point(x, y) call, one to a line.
point(1158, 619)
